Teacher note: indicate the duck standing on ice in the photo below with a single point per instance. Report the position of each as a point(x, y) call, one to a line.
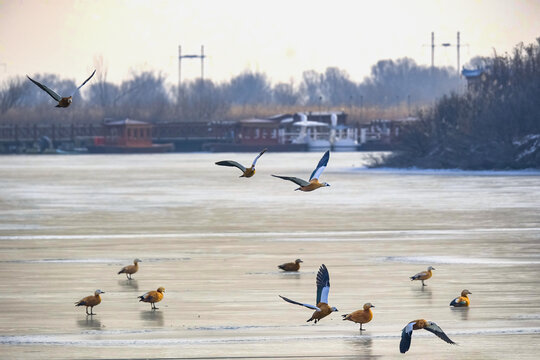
point(361, 316)
point(130, 269)
point(153, 297)
point(90, 301)
point(424, 275)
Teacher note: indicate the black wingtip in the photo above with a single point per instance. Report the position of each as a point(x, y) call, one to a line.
point(323, 278)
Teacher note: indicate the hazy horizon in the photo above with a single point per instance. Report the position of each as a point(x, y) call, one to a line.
point(279, 39)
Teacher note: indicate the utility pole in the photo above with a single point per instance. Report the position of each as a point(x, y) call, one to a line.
point(457, 45)
point(189, 56)
point(432, 50)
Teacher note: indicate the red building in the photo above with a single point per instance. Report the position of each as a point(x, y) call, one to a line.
point(125, 136)
point(260, 132)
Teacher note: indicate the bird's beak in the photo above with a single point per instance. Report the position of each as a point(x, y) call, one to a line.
point(372, 306)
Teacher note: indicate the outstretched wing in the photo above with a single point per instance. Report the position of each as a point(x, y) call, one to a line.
point(297, 303)
point(406, 337)
point(85, 81)
point(320, 166)
point(295, 180)
point(54, 95)
point(323, 284)
point(434, 328)
point(232, 163)
point(258, 156)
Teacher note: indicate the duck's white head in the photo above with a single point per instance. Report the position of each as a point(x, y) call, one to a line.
point(99, 292)
point(137, 261)
point(333, 308)
point(431, 268)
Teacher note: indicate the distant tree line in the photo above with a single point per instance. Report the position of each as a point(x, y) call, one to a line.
point(146, 95)
point(495, 125)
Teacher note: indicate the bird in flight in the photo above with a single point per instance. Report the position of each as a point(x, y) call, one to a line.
point(406, 333)
point(63, 102)
point(323, 287)
point(246, 172)
point(313, 182)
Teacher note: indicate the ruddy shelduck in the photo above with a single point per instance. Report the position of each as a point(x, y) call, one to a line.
point(406, 333)
point(291, 266)
point(424, 275)
point(63, 102)
point(323, 287)
point(153, 297)
point(463, 300)
point(90, 301)
point(130, 269)
point(313, 182)
point(246, 172)
point(361, 316)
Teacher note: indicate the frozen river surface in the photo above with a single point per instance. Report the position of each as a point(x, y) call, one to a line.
point(213, 240)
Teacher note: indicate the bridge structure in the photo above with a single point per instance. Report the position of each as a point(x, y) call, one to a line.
point(187, 136)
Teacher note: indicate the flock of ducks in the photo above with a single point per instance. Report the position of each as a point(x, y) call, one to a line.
point(310, 185)
point(151, 297)
point(321, 308)
point(365, 315)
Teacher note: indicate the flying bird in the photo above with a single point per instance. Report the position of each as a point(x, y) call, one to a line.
point(406, 333)
point(313, 182)
point(291, 266)
point(361, 316)
point(463, 300)
point(323, 287)
point(63, 102)
point(90, 301)
point(153, 297)
point(130, 269)
point(246, 172)
point(423, 275)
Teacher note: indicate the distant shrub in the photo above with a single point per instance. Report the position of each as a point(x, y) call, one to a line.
point(494, 126)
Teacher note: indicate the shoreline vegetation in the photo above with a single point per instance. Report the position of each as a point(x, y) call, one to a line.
point(394, 89)
point(493, 126)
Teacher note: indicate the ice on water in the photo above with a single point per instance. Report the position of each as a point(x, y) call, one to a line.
point(213, 240)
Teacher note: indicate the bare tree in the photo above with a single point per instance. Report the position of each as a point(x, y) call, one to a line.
point(11, 94)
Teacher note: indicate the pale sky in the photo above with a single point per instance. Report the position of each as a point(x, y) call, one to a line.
point(281, 38)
